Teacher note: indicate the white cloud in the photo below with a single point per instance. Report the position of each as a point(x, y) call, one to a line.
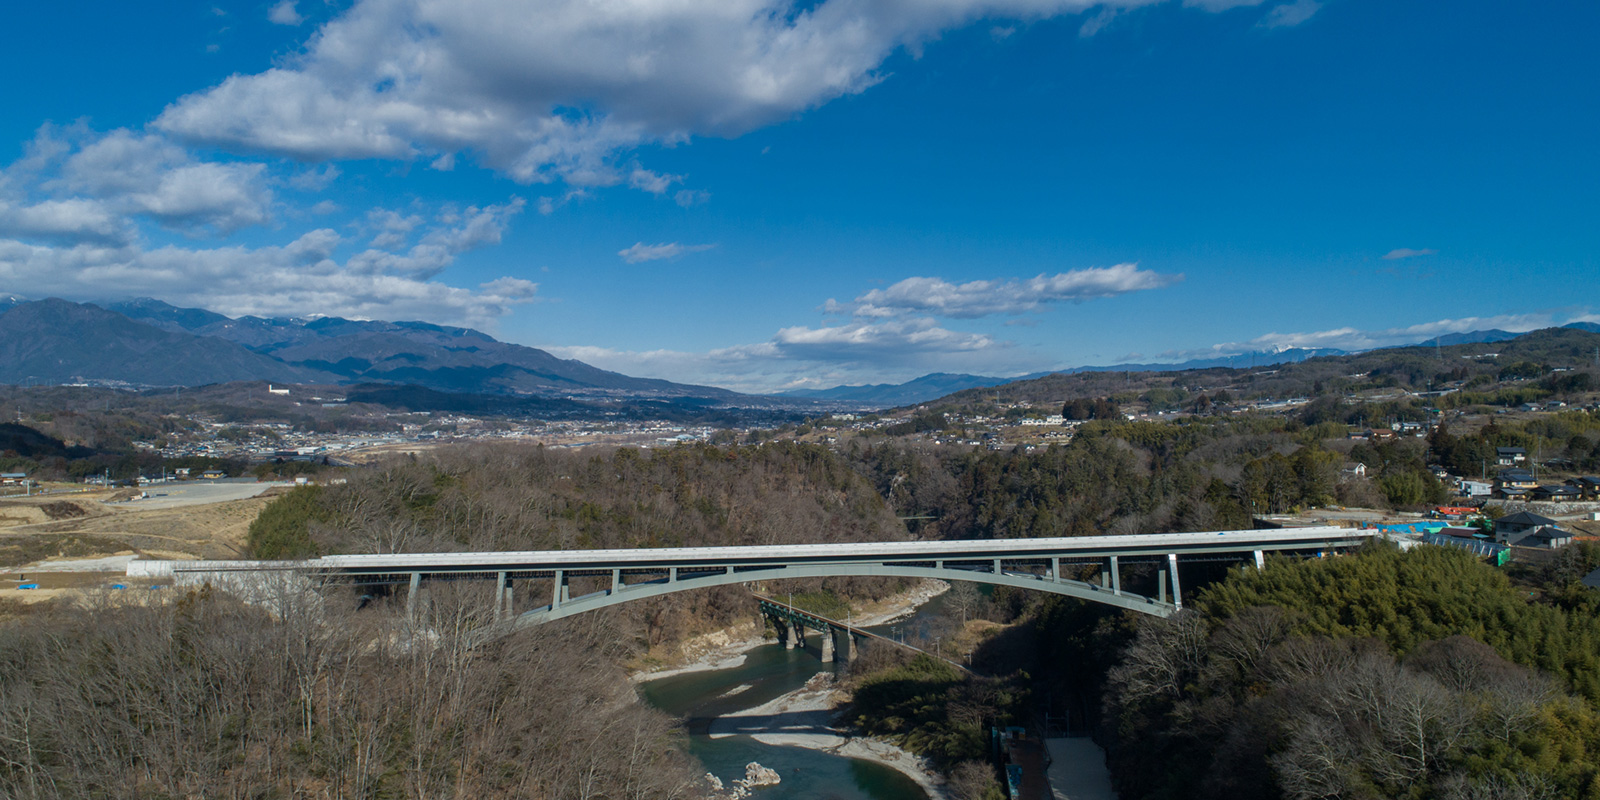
point(654, 183)
point(641, 252)
point(1097, 22)
point(557, 89)
point(284, 14)
point(511, 288)
point(689, 198)
point(1291, 14)
point(70, 215)
point(315, 180)
point(71, 220)
point(1215, 6)
point(296, 279)
point(1406, 252)
point(983, 298)
point(131, 174)
point(439, 247)
point(876, 341)
point(394, 229)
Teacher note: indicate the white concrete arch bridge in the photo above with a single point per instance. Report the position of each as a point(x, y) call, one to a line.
point(619, 576)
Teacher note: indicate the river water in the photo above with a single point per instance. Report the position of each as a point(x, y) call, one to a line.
point(770, 671)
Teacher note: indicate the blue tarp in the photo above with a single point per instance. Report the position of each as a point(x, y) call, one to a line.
point(1410, 528)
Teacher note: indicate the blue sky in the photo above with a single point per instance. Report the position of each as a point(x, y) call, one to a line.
point(763, 195)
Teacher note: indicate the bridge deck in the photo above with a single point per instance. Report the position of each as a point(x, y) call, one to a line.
point(1066, 548)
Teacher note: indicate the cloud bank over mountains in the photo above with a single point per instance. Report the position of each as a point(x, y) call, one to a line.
point(79, 211)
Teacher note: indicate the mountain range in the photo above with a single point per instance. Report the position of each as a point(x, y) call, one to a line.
point(150, 343)
point(936, 385)
point(146, 343)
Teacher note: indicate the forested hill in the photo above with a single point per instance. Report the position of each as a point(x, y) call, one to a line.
point(1423, 675)
point(1419, 368)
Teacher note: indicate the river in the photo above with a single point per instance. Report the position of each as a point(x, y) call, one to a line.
point(770, 671)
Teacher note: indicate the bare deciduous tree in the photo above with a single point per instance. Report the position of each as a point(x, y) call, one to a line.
point(964, 597)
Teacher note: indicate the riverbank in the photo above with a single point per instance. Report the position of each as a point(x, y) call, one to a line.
point(726, 648)
point(807, 718)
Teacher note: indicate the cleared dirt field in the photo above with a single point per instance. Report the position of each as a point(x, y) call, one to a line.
point(33, 534)
point(212, 530)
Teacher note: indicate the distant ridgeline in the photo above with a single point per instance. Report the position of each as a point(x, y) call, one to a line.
point(147, 343)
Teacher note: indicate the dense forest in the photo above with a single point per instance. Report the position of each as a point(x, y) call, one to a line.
point(1385, 674)
point(304, 696)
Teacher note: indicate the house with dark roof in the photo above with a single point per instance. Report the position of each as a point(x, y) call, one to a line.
point(1592, 580)
point(1514, 482)
point(1588, 486)
point(1514, 526)
point(1510, 456)
point(1556, 491)
point(1545, 537)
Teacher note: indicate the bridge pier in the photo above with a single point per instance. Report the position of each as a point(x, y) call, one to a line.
point(1116, 578)
point(827, 647)
point(558, 589)
point(850, 646)
point(1261, 560)
point(788, 634)
point(411, 596)
point(1177, 596)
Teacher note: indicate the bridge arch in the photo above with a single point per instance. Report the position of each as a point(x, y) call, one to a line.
point(1115, 597)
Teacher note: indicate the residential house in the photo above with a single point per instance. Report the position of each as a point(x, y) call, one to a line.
point(1510, 456)
point(1514, 483)
point(1555, 492)
point(1355, 470)
point(1514, 526)
point(1410, 428)
point(13, 478)
point(1588, 486)
point(1592, 580)
point(213, 474)
point(1547, 537)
